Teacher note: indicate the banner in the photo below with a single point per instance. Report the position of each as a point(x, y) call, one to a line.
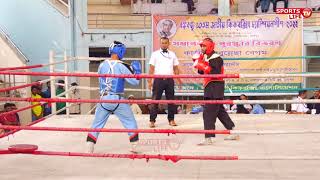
point(237, 37)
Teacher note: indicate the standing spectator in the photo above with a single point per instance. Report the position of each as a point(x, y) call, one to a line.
point(316, 106)
point(300, 108)
point(134, 107)
point(163, 62)
point(47, 94)
point(75, 94)
point(210, 62)
point(275, 2)
point(190, 5)
point(61, 90)
point(37, 111)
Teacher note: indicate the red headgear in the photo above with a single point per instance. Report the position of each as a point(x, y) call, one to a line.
point(209, 44)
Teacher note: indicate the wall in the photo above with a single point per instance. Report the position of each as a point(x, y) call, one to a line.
point(9, 58)
point(35, 27)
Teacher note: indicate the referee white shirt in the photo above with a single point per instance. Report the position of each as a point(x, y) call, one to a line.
point(163, 62)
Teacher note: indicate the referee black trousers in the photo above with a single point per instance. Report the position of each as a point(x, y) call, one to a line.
point(160, 85)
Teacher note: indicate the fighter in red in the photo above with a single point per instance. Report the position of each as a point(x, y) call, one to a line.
point(209, 62)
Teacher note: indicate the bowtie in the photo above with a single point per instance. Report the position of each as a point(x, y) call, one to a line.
point(164, 50)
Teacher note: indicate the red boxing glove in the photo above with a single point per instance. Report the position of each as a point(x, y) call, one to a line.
point(197, 57)
point(200, 63)
point(202, 66)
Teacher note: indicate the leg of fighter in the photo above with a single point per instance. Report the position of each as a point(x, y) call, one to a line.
point(227, 123)
point(210, 113)
point(124, 113)
point(100, 119)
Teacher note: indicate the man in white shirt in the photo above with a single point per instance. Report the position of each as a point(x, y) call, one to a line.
point(300, 108)
point(163, 62)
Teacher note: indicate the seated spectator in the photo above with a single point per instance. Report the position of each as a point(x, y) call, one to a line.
point(190, 5)
point(258, 109)
point(180, 110)
point(75, 94)
point(10, 119)
point(300, 108)
point(162, 109)
point(37, 111)
point(316, 106)
point(60, 90)
point(134, 107)
point(242, 108)
point(196, 109)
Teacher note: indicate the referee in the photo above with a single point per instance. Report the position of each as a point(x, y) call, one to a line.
point(163, 62)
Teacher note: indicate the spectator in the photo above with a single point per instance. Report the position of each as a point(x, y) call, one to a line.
point(275, 2)
point(315, 108)
point(196, 109)
point(163, 62)
point(37, 111)
point(61, 90)
point(47, 94)
point(156, 1)
point(10, 119)
point(214, 11)
point(242, 108)
point(190, 5)
point(300, 108)
point(75, 94)
point(134, 107)
point(180, 110)
point(258, 109)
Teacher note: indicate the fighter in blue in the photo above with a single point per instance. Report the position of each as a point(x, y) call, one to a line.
point(113, 88)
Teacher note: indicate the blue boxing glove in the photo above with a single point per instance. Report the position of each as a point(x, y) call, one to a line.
point(136, 67)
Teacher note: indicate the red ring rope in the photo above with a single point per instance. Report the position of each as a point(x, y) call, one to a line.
point(173, 131)
point(121, 75)
point(21, 67)
point(126, 101)
point(19, 110)
point(19, 87)
point(14, 131)
point(173, 158)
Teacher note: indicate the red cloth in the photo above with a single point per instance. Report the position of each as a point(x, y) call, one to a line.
point(10, 119)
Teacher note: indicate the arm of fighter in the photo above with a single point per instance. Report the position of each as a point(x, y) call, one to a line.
point(200, 64)
point(134, 69)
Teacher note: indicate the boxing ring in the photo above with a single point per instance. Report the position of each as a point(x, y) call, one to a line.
point(271, 146)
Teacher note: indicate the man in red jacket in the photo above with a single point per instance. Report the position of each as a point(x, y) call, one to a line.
point(211, 63)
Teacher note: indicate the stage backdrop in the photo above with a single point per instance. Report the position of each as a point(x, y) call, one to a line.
point(237, 37)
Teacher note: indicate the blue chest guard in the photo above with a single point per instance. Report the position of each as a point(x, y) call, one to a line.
point(107, 84)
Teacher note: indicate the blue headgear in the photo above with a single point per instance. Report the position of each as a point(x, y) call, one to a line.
point(117, 48)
